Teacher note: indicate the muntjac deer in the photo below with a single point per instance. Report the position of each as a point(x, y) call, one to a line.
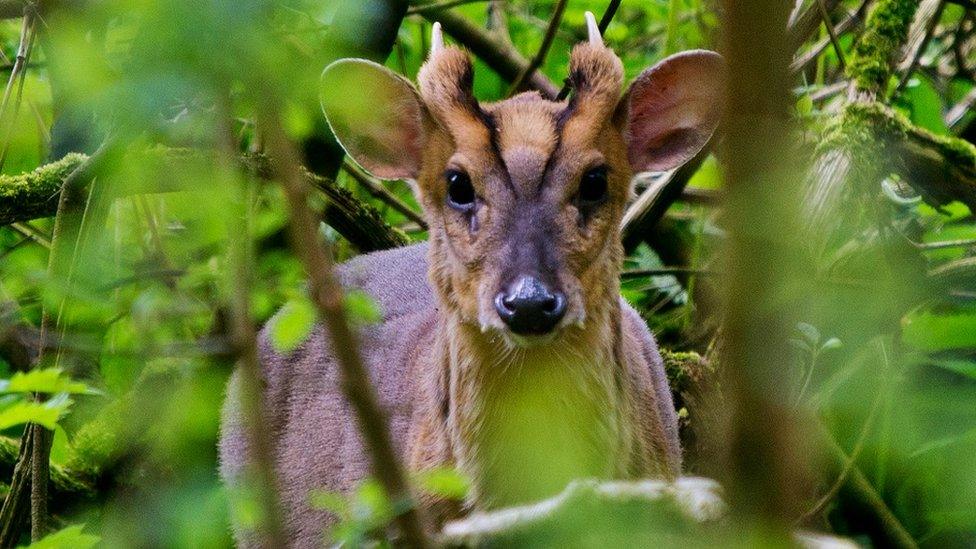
point(505, 350)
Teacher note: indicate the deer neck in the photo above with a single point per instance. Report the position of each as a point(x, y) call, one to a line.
point(523, 421)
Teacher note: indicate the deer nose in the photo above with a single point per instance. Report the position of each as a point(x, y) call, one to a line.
point(529, 307)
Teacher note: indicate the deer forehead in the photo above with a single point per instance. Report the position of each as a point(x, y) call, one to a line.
point(523, 135)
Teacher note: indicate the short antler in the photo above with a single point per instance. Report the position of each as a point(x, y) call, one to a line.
point(446, 81)
point(436, 39)
point(593, 29)
point(596, 76)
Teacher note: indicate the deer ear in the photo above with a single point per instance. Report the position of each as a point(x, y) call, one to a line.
point(672, 110)
point(376, 115)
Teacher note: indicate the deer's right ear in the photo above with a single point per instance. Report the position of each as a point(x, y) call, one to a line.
point(376, 115)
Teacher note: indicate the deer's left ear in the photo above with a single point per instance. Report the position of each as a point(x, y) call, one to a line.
point(376, 115)
point(672, 109)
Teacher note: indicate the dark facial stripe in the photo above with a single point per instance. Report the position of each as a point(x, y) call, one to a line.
point(489, 121)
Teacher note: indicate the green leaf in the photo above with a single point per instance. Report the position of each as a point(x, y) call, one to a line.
point(801, 344)
point(957, 365)
point(832, 343)
point(445, 482)
point(72, 537)
point(43, 413)
point(332, 502)
point(47, 380)
point(804, 105)
point(293, 325)
point(930, 332)
point(362, 308)
point(810, 333)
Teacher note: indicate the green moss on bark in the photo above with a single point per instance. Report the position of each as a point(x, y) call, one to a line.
point(870, 65)
point(35, 193)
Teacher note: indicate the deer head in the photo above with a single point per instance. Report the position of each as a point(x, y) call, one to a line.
point(524, 197)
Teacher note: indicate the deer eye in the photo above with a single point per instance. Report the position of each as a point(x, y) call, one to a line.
point(593, 187)
point(460, 193)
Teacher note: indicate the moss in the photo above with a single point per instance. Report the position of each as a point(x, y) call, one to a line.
point(685, 368)
point(35, 193)
point(869, 66)
point(64, 480)
point(866, 126)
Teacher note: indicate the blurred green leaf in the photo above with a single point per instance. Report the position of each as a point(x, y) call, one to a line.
point(43, 413)
point(47, 380)
point(293, 325)
point(928, 331)
point(444, 482)
point(70, 537)
point(362, 308)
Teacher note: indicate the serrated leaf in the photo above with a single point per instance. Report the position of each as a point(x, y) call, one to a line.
point(47, 380)
point(43, 413)
point(293, 325)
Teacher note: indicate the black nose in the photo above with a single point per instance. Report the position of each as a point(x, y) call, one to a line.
point(528, 307)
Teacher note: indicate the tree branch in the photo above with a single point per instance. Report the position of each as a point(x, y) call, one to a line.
point(328, 299)
point(35, 195)
point(501, 57)
point(540, 56)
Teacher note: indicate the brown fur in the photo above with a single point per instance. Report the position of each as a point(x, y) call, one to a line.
point(520, 417)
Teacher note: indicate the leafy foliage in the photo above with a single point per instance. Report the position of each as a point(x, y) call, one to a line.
point(139, 317)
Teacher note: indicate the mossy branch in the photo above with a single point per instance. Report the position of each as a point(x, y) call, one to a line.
point(941, 169)
point(66, 484)
point(871, 63)
point(35, 194)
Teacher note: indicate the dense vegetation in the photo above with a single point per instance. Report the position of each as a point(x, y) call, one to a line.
point(815, 293)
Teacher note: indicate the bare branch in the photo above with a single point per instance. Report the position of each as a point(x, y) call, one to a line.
point(540, 55)
point(501, 57)
point(327, 296)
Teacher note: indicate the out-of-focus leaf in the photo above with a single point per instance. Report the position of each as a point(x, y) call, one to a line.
point(924, 105)
point(832, 343)
point(959, 366)
point(43, 413)
point(444, 482)
point(809, 332)
point(801, 344)
point(72, 537)
point(332, 502)
point(293, 325)
point(927, 331)
point(362, 308)
point(47, 380)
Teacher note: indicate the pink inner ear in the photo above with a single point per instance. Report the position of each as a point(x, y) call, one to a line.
point(674, 108)
point(391, 148)
point(376, 116)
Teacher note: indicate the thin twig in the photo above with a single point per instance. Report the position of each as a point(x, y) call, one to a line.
point(833, 35)
point(17, 75)
point(271, 527)
point(926, 20)
point(604, 23)
point(377, 189)
point(540, 56)
point(325, 292)
point(436, 6)
point(850, 462)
